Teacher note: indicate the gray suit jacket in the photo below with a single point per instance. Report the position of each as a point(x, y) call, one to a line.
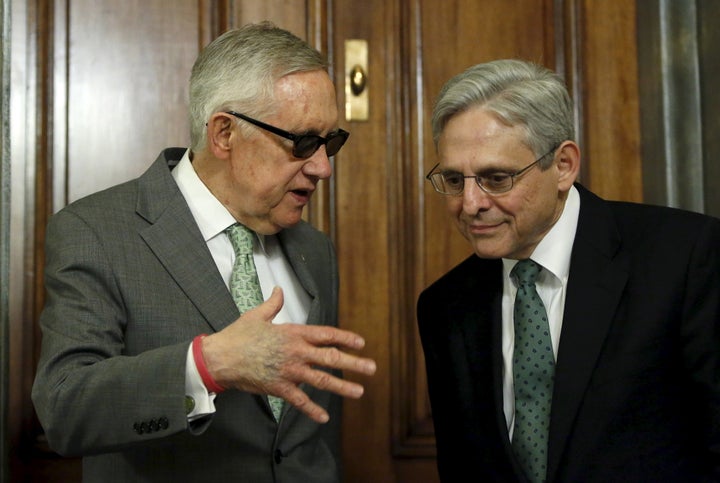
point(130, 282)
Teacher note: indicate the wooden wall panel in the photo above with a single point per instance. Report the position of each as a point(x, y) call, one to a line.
point(128, 66)
point(455, 36)
point(103, 89)
point(291, 15)
point(16, 238)
point(112, 92)
point(362, 219)
point(393, 236)
point(612, 163)
point(440, 41)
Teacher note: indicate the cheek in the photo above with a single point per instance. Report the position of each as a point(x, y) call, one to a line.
point(454, 204)
point(537, 212)
point(279, 182)
point(262, 178)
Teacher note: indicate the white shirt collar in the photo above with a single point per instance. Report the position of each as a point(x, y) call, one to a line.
point(210, 215)
point(554, 250)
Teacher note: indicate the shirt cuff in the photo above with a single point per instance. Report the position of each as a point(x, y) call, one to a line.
point(204, 401)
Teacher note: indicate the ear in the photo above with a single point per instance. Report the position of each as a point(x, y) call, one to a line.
point(567, 159)
point(219, 135)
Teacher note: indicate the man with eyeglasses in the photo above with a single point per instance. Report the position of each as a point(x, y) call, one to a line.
point(581, 341)
point(150, 368)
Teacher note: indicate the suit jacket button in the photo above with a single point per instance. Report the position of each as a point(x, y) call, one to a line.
point(141, 428)
point(164, 423)
point(278, 456)
point(153, 425)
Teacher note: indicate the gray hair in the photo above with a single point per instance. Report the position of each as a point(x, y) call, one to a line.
point(239, 70)
point(517, 93)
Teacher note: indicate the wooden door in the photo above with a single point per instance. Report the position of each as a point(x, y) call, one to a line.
point(108, 84)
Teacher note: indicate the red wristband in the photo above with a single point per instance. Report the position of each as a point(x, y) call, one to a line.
point(207, 379)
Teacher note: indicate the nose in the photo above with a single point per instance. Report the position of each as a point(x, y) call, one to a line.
point(318, 165)
point(474, 198)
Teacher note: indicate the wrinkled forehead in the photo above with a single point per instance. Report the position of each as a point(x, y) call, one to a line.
point(478, 127)
point(305, 100)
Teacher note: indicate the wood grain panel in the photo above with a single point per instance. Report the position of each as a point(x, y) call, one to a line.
point(456, 35)
point(128, 65)
point(19, 205)
point(288, 14)
point(440, 41)
point(612, 163)
point(113, 92)
point(362, 176)
point(436, 41)
point(105, 90)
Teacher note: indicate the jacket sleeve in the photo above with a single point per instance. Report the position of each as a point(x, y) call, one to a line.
point(90, 394)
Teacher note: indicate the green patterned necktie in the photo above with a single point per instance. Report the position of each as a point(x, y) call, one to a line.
point(533, 374)
point(244, 284)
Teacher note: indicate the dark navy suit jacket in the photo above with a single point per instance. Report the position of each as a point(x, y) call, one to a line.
point(637, 383)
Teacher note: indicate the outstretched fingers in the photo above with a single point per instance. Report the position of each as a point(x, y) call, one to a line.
point(334, 358)
point(295, 396)
point(320, 335)
point(320, 346)
point(315, 350)
point(320, 379)
point(308, 368)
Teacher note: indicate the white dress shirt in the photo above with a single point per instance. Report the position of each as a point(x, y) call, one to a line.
point(272, 267)
point(553, 254)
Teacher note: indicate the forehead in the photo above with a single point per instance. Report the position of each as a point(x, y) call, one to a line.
point(475, 136)
point(306, 99)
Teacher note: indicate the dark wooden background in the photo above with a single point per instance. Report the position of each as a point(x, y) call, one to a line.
point(98, 87)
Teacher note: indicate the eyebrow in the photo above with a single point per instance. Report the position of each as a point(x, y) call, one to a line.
point(314, 132)
point(484, 171)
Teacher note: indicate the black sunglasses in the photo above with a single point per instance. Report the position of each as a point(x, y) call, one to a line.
point(304, 145)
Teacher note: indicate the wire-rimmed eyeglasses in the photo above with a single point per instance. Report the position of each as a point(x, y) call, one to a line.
point(304, 145)
point(453, 183)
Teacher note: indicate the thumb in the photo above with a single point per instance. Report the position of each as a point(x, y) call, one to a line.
point(271, 307)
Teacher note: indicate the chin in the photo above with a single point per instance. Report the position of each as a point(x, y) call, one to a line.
point(490, 256)
point(483, 250)
point(284, 222)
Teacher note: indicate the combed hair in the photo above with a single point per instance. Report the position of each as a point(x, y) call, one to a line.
point(239, 70)
point(517, 93)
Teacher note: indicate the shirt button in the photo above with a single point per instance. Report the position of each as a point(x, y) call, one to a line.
point(189, 404)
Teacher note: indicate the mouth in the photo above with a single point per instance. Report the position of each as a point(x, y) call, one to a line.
point(482, 229)
point(302, 195)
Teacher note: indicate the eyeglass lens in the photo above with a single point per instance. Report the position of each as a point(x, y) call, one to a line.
point(305, 145)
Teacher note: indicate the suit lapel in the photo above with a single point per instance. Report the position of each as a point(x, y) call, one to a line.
point(479, 305)
point(175, 239)
point(293, 249)
point(495, 291)
point(598, 274)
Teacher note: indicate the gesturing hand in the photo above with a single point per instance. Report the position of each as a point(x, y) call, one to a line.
point(254, 355)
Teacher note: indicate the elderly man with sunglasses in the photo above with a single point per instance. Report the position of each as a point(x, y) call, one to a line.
point(150, 368)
